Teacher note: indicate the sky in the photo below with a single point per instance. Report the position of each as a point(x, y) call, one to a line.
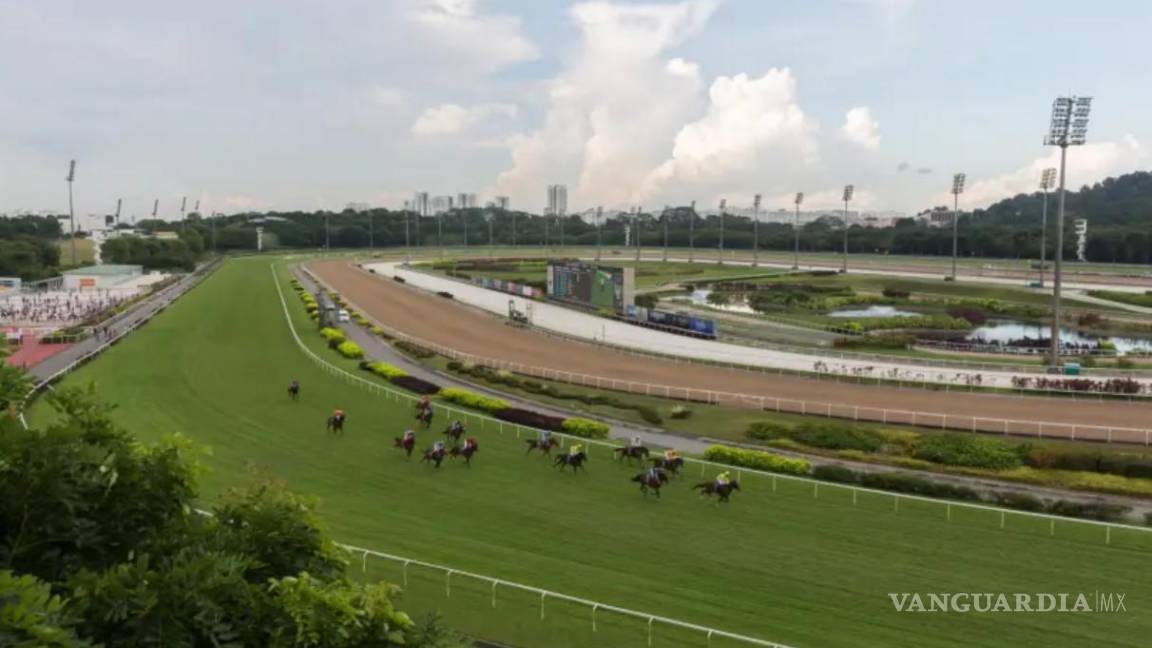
point(286, 104)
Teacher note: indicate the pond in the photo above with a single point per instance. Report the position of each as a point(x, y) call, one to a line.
point(1003, 331)
point(736, 305)
point(874, 310)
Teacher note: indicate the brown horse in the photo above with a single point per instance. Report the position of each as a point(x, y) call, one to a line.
point(711, 488)
point(433, 456)
point(542, 446)
point(576, 461)
point(673, 466)
point(424, 416)
point(465, 451)
point(406, 443)
point(455, 431)
point(336, 424)
point(631, 452)
point(649, 483)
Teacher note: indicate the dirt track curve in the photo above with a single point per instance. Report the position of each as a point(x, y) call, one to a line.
point(458, 327)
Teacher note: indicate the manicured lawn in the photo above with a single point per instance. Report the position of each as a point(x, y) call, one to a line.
point(783, 563)
point(85, 252)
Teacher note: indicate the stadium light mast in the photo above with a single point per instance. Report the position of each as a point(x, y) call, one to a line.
point(71, 210)
point(599, 215)
point(407, 240)
point(183, 206)
point(155, 207)
point(796, 231)
point(848, 191)
point(723, 206)
point(1047, 181)
point(119, 203)
point(1069, 127)
point(664, 216)
point(692, 232)
point(756, 231)
point(957, 189)
point(636, 229)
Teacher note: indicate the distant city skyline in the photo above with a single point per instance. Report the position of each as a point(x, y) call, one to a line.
point(308, 106)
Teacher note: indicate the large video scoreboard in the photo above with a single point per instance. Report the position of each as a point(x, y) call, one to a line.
point(590, 285)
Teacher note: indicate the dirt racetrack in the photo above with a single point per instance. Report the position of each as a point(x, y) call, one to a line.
point(447, 323)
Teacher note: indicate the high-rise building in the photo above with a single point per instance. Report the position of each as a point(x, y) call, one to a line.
point(502, 202)
point(441, 204)
point(557, 200)
point(420, 204)
point(466, 201)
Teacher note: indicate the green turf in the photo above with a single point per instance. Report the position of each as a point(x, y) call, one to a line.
point(782, 564)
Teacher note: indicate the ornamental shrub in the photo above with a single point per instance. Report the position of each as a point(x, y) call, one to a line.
point(529, 418)
point(383, 369)
point(968, 450)
point(350, 349)
point(756, 459)
point(680, 412)
point(586, 428)
point(414, 384)
point(333, 334)
point(475, 401)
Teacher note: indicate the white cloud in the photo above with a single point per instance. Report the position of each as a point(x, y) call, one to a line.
point(859, 128)
point(1086, 165)
point(472, 39)
point(452, 119)
point(614, 108)
point(745, 116)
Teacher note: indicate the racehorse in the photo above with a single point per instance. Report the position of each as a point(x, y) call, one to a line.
point(673, 466)
point(294, 391)
point(453, 431)
point(649, 483)
point(710, 488)
point(433, 456)
point(424, 416)
point(336, 424)
point(407, 444)
point(542, 446)
point(576, 461)
point(631, 452)
point(464, 451)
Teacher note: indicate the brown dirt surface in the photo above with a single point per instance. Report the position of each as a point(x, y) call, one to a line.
point(445, 322)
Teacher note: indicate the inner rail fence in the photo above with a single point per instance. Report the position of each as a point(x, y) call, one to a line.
point(944, 379)
point(947, 507)
point(785, 405)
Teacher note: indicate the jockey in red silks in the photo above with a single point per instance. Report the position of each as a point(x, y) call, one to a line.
point(409, 435)
point(469, 443)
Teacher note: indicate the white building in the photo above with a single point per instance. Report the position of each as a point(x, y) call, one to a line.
point(442, 204)
point(420, 204)
point(100, 276)
point(557, 200)
point(466, 201)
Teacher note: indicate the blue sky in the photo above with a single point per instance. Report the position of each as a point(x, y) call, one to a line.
point(307, 105)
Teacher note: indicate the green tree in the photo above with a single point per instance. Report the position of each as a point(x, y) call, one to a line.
point(32, 617)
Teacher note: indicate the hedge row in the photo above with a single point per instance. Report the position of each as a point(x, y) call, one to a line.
point(490, 375)
point(382, 369)
point(414, 384)
point(968, 450)
point(414, 350)
point(911, 484)
point(529, 418)
point(586, 428)
point(332, 335)
point(756, 459)
point(350, 349)
point(830, 435)
point(475, 401)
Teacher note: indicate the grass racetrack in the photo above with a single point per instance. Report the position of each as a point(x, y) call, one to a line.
point(779, 564)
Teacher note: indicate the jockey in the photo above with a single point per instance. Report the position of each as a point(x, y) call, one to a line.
point(338, 414)
point(424, 403)
point(409, 435)
point(654, 474)
point(545, 437)
point(469, 443)
point(636, 442)
point(438, 447)
point(671, 455)
point(457, 426)
point(294, 385)
point(575, 449)
point(723, 479)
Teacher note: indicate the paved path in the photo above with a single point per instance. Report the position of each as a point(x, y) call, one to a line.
point(379, 349)
point(119, 325)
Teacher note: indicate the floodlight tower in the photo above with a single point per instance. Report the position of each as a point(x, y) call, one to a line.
point(957, 189)
point(71, 211)
point(1047, 180)
point(183, 206)
point(407, 240)
point(636, 229)
point(119, 203)
point(599, 215)
point(723, 206)
point(155, 207)
point(796, 231)
point(848, 191)
point(1069, 127)
point(664, 216)
point(756, 231)
point(692, 232)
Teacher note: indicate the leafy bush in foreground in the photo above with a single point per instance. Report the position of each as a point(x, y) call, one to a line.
point(350, 349)
point(383, 369)
point(969, 450)
point(475, 401)
point(333, 335)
